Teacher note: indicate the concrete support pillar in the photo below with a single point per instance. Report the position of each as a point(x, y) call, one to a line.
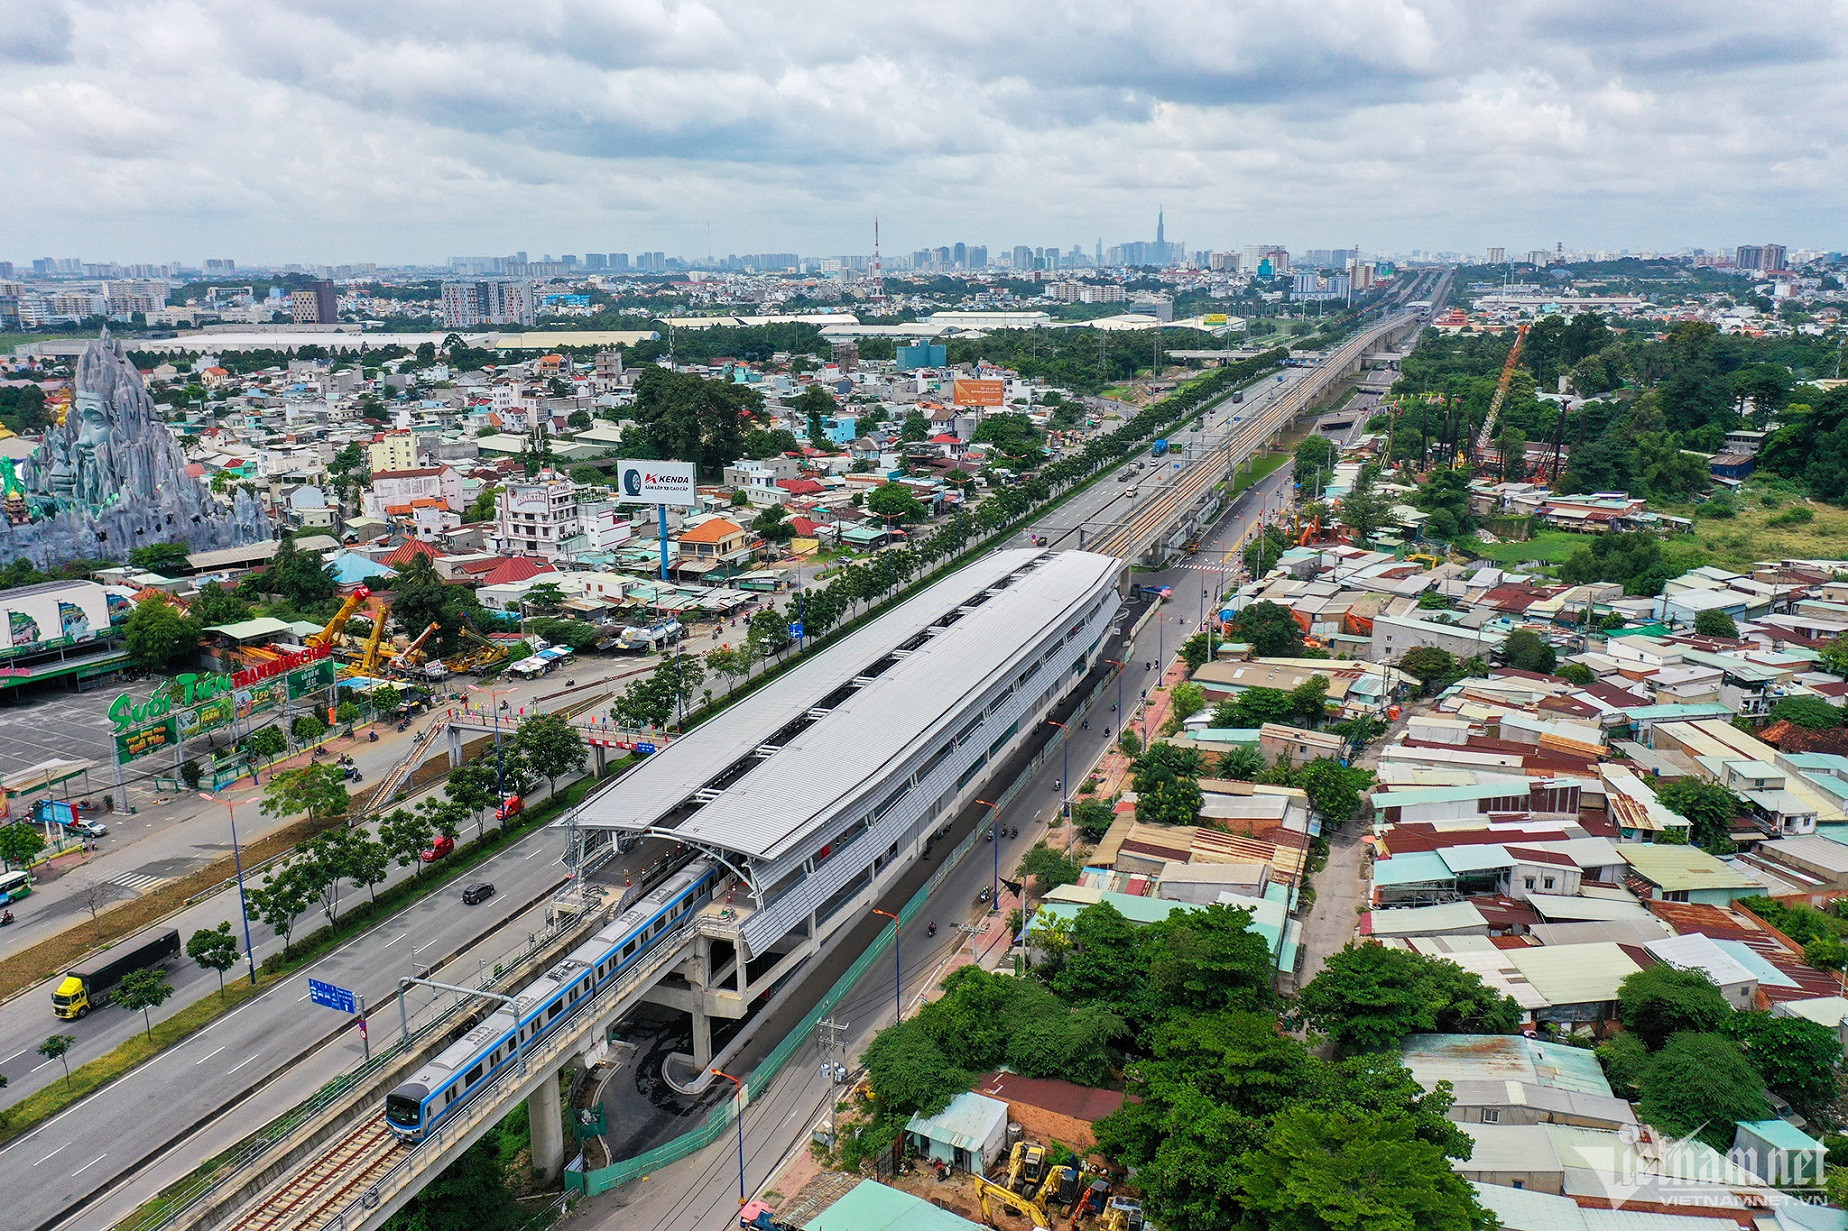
point(548, 1129)
point(702, 1040)
point(599, 758)
point(455, 745)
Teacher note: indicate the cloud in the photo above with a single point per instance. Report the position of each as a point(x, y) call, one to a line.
point(334, 130)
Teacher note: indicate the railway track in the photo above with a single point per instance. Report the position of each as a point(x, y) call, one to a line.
point(1163, 510)
point(335, 1178)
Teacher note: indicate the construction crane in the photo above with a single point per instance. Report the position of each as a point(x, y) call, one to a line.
point(329, 635)
point(412, 654)
point(1487, 433)
point(484, 654)
point(993, 1194)
point(368, 660)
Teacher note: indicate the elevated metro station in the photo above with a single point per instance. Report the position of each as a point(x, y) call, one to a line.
point(818, 790)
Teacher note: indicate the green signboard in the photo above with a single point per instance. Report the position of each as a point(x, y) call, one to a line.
point(143, 740)
point(311, 679)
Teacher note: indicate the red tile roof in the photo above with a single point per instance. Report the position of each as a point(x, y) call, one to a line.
point(517, 568)
point(407, 474)
point(1050, 1094)
point(401, 555)
point(800, 487)
point(716, 530)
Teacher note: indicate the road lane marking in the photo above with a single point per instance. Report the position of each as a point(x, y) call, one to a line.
point(35, 1068)
point(16, 1055)
point(202, 1059)
point(99, 1158)
point(53, 1152)
point(523, 858)
point(394, 940)
point(303, 997)
point(242, 1063)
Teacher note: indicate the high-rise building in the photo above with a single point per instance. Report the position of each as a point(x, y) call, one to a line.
point(978, 256)
point(596, 260)
point(1749, 256)
point(959, 253)
point(317, 305)
point(1023, 257)
point(490, 301)
point(220, 268)
point(619, 262)
point(1497, 256)
point(1774, 257)
point(1538, 258)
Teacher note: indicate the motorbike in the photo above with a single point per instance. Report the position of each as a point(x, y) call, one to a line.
point(985, 893)
point(932, 929)
point(1013, 831)
point(989, 836)
point(6, 918)
point(372, 736)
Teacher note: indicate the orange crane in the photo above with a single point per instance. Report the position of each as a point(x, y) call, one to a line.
point(331, 634)
point(411, 655)
point(1487, 433)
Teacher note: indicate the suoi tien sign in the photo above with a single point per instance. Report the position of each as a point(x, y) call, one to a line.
point(125, 712)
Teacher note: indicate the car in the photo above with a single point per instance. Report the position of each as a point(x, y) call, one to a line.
point(89, 829)
point(511, 806)
point(443, 845)
point(477, 893)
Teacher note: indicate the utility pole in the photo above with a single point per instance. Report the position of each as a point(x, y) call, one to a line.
point(830, 1063)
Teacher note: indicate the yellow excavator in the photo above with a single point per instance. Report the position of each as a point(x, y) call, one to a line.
point(1026, 1167)
point(993, 1195)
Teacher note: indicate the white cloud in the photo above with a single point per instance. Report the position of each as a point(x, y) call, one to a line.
point(418, 129)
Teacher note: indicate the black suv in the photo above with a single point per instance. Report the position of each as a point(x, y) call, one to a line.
point(478, 893)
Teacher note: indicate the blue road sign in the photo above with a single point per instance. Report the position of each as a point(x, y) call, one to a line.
point(330, 997)
point(795, 628)
point(645, 749)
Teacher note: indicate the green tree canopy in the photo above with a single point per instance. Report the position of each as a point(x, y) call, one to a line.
point(1811, 712)
point(1525, 651)
point(1368, 998)
point(1709, 807)
point(1270, 629)
point(159, 635)
point(1700, 1084)
point(1661, 1001)
point(1715, 624)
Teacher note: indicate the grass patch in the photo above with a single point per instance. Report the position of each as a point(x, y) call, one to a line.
point(1263, 468)
point(1551, 546)
point(1759, 533)
point(87, 1078)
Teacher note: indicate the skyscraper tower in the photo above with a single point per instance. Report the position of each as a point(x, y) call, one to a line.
point(1161, 229)
point(878, 295)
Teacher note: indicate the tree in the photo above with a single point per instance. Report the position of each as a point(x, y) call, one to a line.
point(1321, 1170)
point(773, 526)
point(1309, 700)
point(552, 747)
point(1709, 808)
point(815, 404)
point(318, 790)
point(367, 862)
point(1270, 629)
point(1368, 998)
point(914, 428)
point(58, 1048)
point(1576, 673)
point(1253, 707)
point(145, 989)
point(1661, 1001)
point(1525, 651)
point(1700, 1085)
point(19, 843)
point(1241, 763)
point(1093, 817)
point(1367, 509)
point(734, 663)
point(1834, 655)
point(215, 605)
point(474, 787)
point(387, 697)
point(215, 949)
point(1164, 797)
point(1334, 789)
point(1429, 664)
point(1188, 699)
point(404, 835)
point(1716, 624)
point(543, 597)
point(1812, 713)
point(1797, 1058)
point(299, 577)
point(167, 559)
point(159, 635)
point(279, 901)
point(909, 1072)
point(1315, 460)
point(420, 598)
point(896, 502)
point(768, 632)
point(1195, 650)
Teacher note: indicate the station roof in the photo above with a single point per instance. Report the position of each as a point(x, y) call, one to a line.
point(847, 752)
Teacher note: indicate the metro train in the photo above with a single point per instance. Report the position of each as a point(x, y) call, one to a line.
point(444, 1083)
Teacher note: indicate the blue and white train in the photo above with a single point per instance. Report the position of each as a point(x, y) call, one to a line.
point(418, 1105)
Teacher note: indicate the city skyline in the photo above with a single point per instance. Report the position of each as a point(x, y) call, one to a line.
point(345, 133)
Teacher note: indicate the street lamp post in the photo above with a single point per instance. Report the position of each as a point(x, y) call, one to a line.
point(1065, 783)
point(994, 821)
point(736, 1082)
point(237, 856)
point(898, 969)
point(500, 769)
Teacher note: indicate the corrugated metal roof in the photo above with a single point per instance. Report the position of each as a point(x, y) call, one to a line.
point(1416, 868)
point(1503, 1057)
point(849, 751)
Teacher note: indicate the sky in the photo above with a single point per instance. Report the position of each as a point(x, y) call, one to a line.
point(404, 131)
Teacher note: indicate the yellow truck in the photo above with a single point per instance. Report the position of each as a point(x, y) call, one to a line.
point(88, 986)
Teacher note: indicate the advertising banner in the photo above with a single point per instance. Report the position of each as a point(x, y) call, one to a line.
point(675, 483)
point(311, 679)
point(980, 393)
point(143, 740)
point(261, 698)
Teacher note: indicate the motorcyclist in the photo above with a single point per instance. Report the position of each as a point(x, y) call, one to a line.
point(932, 929)
point(6, 917)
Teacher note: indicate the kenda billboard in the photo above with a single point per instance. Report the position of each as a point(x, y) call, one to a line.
point(658, 482)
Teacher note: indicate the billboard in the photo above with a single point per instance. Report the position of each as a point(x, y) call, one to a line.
point(673, 483)
point(981, 393)
point(57, 613)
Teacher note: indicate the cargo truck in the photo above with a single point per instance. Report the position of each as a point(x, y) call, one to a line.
point(1158, 448)
point(88, 987)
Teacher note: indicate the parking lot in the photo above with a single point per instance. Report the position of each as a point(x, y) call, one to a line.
point(74, 726)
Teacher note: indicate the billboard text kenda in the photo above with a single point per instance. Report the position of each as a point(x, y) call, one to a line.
point(657, 482)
